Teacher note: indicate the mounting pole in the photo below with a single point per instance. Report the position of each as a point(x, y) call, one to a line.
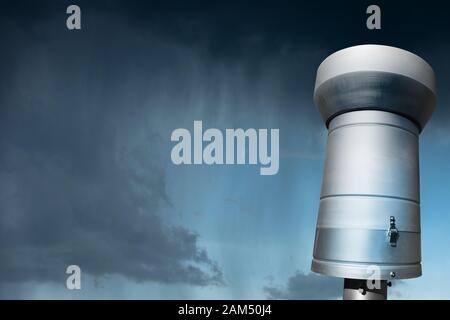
point(357, 289)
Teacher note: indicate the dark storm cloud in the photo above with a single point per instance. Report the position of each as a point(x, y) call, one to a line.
point(228, 28)
point(74, 195)
point(82, 176)
point(84, 124)
point(307, 286)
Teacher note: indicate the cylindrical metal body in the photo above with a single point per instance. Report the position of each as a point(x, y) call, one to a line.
point(371, 174)
point(375, 100)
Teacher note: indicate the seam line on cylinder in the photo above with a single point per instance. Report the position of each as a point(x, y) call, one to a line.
point(337, 227)
point(335, 115)
point(374, 124)
point(392, 264)
point(368, 195)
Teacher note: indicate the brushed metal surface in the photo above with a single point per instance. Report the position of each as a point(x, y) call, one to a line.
point(371, 173)
point(381, 58)
point(376, 77)
point(374, 100)
point(371, 158)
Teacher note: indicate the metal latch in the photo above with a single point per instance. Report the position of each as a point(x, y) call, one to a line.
point(393, 233)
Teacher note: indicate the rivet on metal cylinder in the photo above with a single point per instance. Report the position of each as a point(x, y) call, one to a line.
point(375, 100)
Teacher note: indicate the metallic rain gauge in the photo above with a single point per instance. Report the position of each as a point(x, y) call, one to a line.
point(375, 100)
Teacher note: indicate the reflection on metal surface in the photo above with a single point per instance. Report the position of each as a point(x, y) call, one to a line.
point(375, 100)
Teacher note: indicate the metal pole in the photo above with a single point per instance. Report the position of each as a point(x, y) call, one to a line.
point(357, 289)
